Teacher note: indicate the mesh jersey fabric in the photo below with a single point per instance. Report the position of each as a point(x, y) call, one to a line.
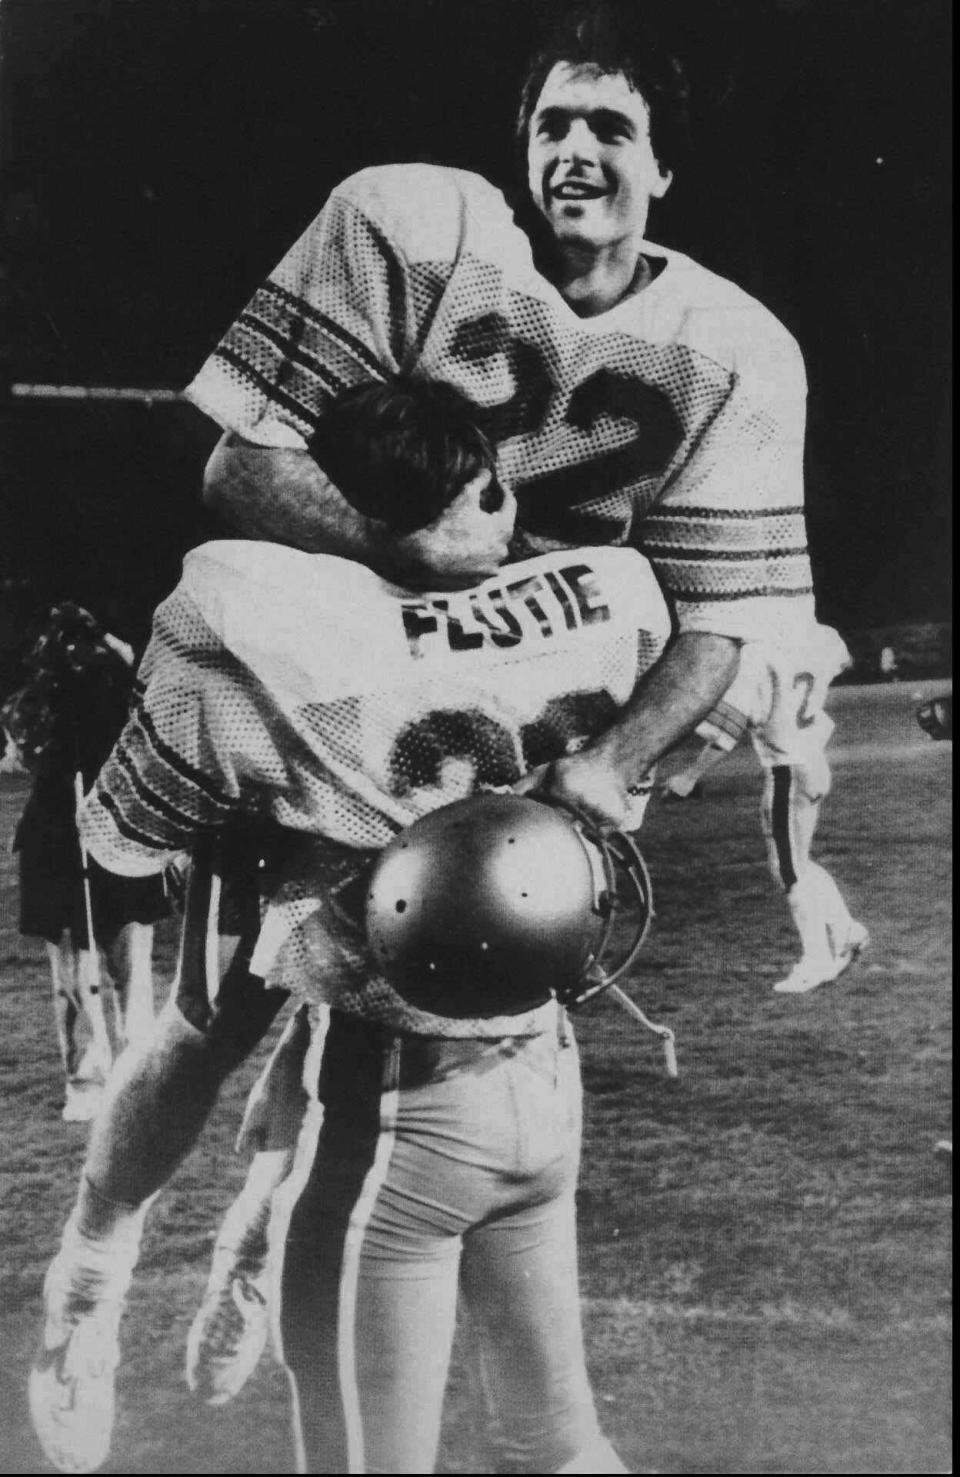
point(778, 696)
point(673, 422)
point(304, 688)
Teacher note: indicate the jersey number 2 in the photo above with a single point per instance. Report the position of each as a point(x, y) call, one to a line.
point(807, 682)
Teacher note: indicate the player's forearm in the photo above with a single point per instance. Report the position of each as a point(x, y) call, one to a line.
point(694, 672)
point(280, 494)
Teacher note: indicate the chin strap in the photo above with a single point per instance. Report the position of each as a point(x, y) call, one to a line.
point(664, 1032)
point(618, 849)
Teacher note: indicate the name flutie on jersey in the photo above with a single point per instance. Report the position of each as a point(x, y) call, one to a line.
point(535, 607)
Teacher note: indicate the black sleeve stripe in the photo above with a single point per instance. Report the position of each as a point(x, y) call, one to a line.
point(180, 765)
point(267, 386)
point(142, 838)
point(719, 515)
point(336, 330)
point(151, 800)
point(667, 552)
point(707, 597)
point(291, 350)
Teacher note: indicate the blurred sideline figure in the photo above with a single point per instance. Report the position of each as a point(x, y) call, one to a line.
point(315, 692)
point(889, 666)
point(62, 724)
point(778, 698)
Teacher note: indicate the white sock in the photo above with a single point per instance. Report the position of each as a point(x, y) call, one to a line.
point(242, 1240)
point(833, 909)
point(98, 1251)
point(806, 909)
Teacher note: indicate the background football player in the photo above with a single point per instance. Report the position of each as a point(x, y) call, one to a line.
point(63, 722)
point(321, 694)
point(778, 698)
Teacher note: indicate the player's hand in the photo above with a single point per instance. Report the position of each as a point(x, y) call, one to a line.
point(175, 878)
point(584, 782)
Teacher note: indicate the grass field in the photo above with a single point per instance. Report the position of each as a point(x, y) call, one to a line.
point(764, 1243)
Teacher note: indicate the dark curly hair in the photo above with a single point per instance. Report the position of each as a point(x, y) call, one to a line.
point(402, 451)
point(616, 39)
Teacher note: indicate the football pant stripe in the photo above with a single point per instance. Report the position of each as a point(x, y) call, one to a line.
point(350, 1268)
point(323, 1242)
point(781, 830)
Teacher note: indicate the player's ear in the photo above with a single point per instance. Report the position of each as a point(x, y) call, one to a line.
point(663, 183)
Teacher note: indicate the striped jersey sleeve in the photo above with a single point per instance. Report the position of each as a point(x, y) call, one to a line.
point(339, 309)
point(172, 775)
point(727, 537)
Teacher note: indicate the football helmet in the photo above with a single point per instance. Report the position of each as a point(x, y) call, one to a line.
point(491, 905)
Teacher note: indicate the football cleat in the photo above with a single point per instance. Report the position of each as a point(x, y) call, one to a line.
point(807, 975)
point(495, 904)
point(228, 1334)
point(856, 941)
point(71, 1387)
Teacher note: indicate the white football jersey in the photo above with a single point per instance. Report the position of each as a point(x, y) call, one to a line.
point(673, 422)
point(305, 688)
point(778, 697)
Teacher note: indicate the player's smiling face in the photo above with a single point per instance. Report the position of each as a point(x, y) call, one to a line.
point(591, 169)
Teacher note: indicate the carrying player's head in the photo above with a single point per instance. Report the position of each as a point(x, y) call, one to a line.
point(603, 121)
point(410, 455)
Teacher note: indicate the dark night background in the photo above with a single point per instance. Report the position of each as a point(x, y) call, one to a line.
point(157, 157)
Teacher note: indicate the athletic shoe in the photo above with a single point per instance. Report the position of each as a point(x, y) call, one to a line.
point(71, 1383)
point(853, 946)
point(943, 1149)
point(228, 1335)
point(82, 1102)
point(807, 975)
point(804, 977)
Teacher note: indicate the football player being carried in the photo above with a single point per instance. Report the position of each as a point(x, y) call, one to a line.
point(319, 693)
point(778, 698)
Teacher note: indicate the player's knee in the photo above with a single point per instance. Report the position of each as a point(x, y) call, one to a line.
point(222, 1050)
point(129, 954)
point(165, 1044)
point(812, 782)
